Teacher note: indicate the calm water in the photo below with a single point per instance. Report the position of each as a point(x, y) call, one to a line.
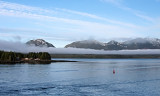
point(89, 77)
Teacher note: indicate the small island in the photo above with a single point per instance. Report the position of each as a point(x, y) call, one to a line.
point(30, 58)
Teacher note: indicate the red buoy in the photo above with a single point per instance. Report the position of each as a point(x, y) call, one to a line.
point(114, 71)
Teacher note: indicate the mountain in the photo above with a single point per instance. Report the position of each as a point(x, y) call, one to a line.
point(88, 44)
point(114, 45)
point(143, 43)
point(39, 43)
point(138, 43)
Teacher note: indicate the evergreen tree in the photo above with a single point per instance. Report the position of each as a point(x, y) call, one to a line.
point(12, 56)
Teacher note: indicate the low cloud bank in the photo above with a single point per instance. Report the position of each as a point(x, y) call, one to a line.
point(21, 47)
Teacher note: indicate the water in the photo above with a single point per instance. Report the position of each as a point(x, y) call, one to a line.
point(89, 77)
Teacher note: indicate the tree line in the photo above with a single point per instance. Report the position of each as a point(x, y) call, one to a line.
point(15, 56)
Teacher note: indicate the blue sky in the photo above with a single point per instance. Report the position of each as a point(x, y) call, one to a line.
point(64, 21)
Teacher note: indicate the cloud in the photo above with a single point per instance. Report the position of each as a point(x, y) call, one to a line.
point(19, 33)
point(145, 17)
point(21, 47)
point(55, 25)
point(6, 30)
point(17, 38)
point(115, 2)
point(118, 3)
point(18, 10)
point(39, 17)
point(83, 27)
point(24, 8)
point(98, 17)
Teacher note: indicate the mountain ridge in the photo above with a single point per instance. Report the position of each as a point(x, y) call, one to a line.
point(39, 43)
point(137, 43)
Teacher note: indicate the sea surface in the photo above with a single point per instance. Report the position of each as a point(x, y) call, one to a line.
point(88, 77)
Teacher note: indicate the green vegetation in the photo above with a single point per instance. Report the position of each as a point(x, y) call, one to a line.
point(13, 56)
point(10, 56)
point(40, 55)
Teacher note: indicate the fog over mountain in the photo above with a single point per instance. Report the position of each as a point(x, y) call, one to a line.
point(22, 47)
point(87, 44)
point(138, 43)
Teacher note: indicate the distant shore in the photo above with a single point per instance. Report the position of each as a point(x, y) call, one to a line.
point(30, 58)
point(107, 56)
point(34, 61)
point(89, 56)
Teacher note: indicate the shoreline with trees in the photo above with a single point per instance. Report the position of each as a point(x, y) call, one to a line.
point(30, 58)
point(45, 57)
